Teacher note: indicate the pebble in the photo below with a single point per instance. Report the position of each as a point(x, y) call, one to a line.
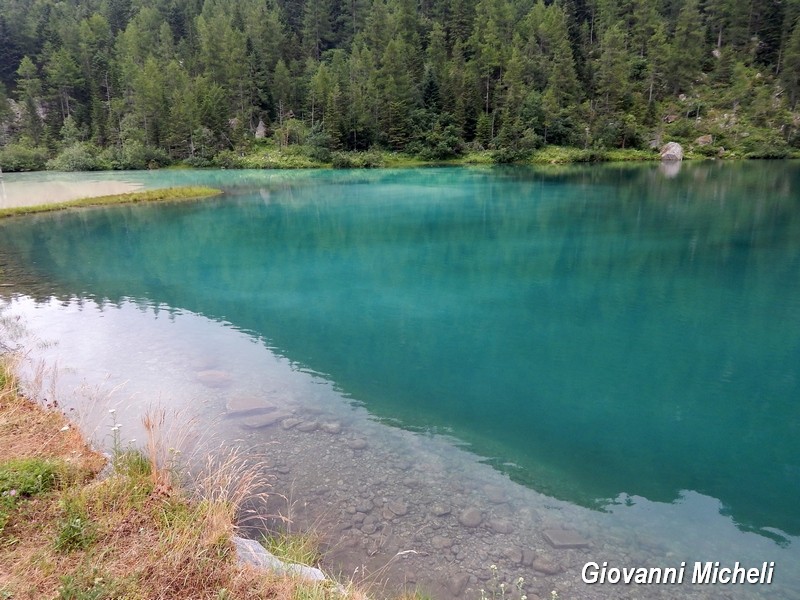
point(364, 506)
point(514, 555)
point(291, 422)
point(501, 526)
point(398, 508)
point(527, 557)
point(440, 510)
point(470, 517)
point(440, 542)
point(457, 583)
point(357, 444)
point(368, 528)
point(308, 426)
point(543, 565)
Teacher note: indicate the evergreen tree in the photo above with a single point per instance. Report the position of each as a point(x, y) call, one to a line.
point(29, 92)
point(686, 52)
point(790, 75)
point(317, 29)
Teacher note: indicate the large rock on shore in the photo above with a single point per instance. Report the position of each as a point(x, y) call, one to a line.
point(672, 151)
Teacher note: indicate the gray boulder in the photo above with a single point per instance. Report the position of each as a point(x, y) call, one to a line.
point(672, 151)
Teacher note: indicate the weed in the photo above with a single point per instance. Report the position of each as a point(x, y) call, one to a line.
point(87, 586)
point(301, 548)
point(30, 476)
point(76, 531)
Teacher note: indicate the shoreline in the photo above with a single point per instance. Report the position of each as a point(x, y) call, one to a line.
point(268, 157)
point(78, 523)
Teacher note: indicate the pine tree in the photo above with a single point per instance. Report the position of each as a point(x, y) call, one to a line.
point(790, 75)
point(317, 29)
point(29, 92)
point(686, 52)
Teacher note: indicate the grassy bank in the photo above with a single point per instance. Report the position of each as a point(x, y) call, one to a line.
point(174, 194)
point(133, 533)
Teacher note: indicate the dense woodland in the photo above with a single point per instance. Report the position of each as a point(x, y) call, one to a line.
point(130, 83)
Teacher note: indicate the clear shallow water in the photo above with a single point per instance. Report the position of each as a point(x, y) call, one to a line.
point(623, 344)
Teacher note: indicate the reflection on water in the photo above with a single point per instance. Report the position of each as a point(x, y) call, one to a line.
point(607, 336)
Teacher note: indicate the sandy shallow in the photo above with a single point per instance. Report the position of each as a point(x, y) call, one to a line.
point(14, 193)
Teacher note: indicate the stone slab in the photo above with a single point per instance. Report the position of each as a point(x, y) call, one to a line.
point(564, 539)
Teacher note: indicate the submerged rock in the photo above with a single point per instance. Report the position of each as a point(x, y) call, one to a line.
point(546, 566)
point(457, 583)
point(259, 421)
point(470, 517)
point(239, 405)
point(214, 378)
point(501, 526)
point(333, 427)
point(564, 538)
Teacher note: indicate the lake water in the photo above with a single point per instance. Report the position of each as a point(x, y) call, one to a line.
point(610, 350)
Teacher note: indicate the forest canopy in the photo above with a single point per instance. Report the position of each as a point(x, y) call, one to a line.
point(127, 83)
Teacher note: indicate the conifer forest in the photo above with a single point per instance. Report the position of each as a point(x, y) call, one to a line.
point(131, 83)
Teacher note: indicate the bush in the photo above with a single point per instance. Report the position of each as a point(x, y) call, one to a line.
point(197, 162)
point(22, 156)
point(228, 159)
point(80, 156)
point(341, 160)
point(371, 159)
point(509, 155)
point(765, 144)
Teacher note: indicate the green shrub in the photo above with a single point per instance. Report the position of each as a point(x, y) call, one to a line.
point(197, 162)
point(228, 159)
point(22, 156)
point(80, 156)
point(341, 160)
point(765, 144)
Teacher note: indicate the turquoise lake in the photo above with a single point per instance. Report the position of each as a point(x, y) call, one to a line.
point(603, 336)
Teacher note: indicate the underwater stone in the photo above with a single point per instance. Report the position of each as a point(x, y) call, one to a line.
point(564, 538)
point(470, 517)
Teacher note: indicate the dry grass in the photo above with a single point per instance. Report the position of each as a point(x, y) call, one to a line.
point(134, 533)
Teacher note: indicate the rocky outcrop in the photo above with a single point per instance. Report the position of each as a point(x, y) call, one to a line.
point(261, 130)
point(672, 151)
point(704, 140)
